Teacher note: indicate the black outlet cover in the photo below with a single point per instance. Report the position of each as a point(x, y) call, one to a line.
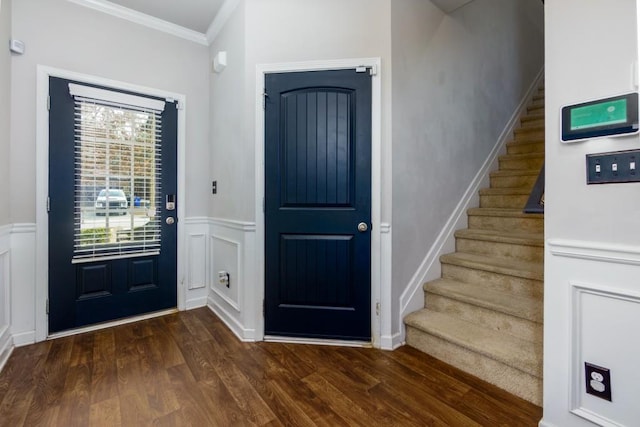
point(598, 381)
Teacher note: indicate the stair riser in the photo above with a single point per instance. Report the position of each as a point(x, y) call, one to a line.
point(526, 225)
point(513, 380)
point(537, 110)
point(529, 133)
point(503, 201)
point(515, 326)
point(534, 121)
point(536, 104)
point(496, 281)
point(507, 163)
point(526, 181)
point(500, 249)
point(535, 147)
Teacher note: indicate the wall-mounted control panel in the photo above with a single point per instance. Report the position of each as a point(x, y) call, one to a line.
point(615, 167)
point(607, 117)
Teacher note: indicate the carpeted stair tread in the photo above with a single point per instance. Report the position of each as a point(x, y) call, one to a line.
point(533, 143)
point(505, 266)
point(515, 172)
point(524, 156)
point(507, 349)
point(529, 239)
point(508, 191)
point(529, 129)
point(500, 212)
point(528, 308)
point(532, 117)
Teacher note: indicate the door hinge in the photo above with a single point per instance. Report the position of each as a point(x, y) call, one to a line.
point(47, 306)
point(265, 95)
point(263, 206)
point(377, 309)
point(263, 307)
point(48, 102)
point(48, 204)
point(364, 68)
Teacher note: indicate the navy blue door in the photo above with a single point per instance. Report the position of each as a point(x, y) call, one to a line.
point(116, 209)
point(317, 193)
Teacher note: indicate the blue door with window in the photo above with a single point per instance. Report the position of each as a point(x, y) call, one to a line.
point(112, 200)
point(318, 205)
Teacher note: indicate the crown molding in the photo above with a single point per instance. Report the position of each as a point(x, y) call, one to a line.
point(149, 21)
point(223, 15)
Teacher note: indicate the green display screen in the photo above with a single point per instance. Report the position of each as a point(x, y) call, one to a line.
point(600, 114)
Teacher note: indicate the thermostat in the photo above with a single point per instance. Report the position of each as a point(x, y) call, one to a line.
point(607, 117)
point(16, 46)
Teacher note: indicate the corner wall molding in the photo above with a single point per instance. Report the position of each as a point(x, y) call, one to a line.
point(143, 19)
point(23, 228)
point(594, 251)
point(5, 230)
point(236, 225)
point(218, 23)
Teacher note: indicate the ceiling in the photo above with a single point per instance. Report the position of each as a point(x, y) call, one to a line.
point(195, 15)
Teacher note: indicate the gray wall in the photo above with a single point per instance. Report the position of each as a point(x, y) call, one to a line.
point(457, 79)
point(231, 163)
point(61, 34)
point(274, 31)
point(5, 119)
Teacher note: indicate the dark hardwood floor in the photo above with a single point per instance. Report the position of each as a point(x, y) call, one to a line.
point(189, 369)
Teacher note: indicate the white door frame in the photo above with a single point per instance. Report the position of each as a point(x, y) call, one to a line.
point(42, 182)
point(380, 246)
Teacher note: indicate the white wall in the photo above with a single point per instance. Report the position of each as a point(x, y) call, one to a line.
point(60, 34)
point(457, 80)
point(5, 93)
point(592, 258)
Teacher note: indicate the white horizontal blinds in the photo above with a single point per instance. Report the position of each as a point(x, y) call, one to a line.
point(117, 174)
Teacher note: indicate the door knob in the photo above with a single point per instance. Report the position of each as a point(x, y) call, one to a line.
point(362, 227)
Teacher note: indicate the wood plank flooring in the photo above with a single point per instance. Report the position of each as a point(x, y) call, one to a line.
point(188, 369)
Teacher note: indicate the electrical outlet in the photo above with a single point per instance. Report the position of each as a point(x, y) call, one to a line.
point(598, 381)
point(223, 278)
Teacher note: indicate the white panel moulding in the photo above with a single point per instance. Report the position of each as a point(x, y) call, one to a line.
point(197, 261)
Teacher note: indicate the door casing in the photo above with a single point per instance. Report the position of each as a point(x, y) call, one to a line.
point(381, 319)
point(42, 182)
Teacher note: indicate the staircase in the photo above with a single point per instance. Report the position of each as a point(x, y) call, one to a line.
point(484, 315)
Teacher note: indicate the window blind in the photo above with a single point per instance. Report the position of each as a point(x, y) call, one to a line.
point(118, 188)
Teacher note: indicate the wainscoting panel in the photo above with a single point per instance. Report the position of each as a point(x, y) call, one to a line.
point(6, 343)
point(197, 261)
point(23, 283)
point(592, 299)
point(231, 245)
point(197, 267)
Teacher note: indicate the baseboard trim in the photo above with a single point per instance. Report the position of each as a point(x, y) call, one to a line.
point(244, 335)
point(6, 346)
point(196, 303)
point(24, 338)
point(391, 342)
point(430, 269)
point(544, 423)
